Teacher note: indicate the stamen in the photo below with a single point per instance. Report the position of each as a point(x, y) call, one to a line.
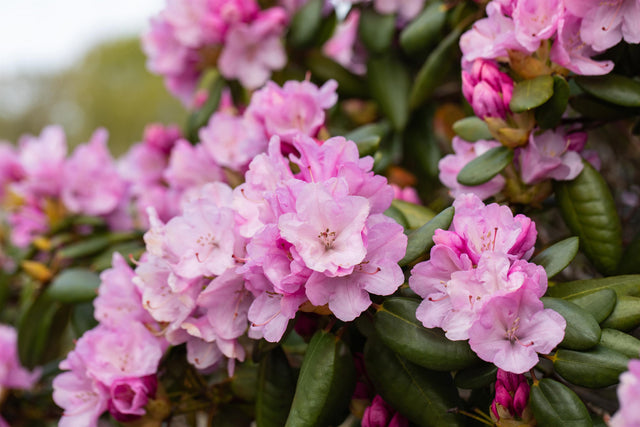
point(268, 320)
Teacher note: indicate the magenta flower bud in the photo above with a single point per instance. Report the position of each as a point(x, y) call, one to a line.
point(129, 397)
point(487, 89)
point(521, 398)
point(160, 137)
point(512, 394)
point(380, 414)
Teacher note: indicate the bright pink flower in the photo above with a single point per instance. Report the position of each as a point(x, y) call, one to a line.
point(536, 20)
point(342, 47)
point(129, 396)
point(628, 396)
point(251, 51)
point(512, 329)
point(191, 166)
point(92, 185)
point(550, 155)
point(487, 89)
point(12, 374)
point(381, 414)
point(571, 52)
point(451, 165)
point(161, 138)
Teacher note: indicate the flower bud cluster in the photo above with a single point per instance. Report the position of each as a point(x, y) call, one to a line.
point(511, 399)
point(478, 285)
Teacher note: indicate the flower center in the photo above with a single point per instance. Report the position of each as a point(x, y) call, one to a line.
point(327, 238)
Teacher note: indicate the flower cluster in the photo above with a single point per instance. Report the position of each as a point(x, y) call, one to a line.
point(478, 285)
point(189, 36)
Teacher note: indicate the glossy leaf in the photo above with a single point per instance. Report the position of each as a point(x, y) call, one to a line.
point(368, 137)
point(472, 129)
point(425, 397)
point(589, 210)
point(556, 405)
point(306, 23)
point(397, 326)
point(420, 241)
point(621, 342)
point(595, 368)
point(325, 384)
point(549, 114)
point(276, 384)
point(597, 109)
point(435, 69)
point(476, 376)
point(622, 285)
point(625, 315)
point(582, 331)
point(484, 167)
point(397, 215)
point(599, 304)
point(389, 83)
point(614, 88)
point(424, 30)
point(532, 93)
point(376, 31)
point(94, 244)
point(416, 215)
point(74, 285)
point(557, 257)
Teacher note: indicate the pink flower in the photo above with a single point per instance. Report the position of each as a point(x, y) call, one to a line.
point(342, 47)
point(550, 155)
point(11, 169)
point(191, 166)
point(487, 89)
point(536, 20)
point(512, 395)
point(628, 395)
point(451, 164)
point(406, 9)
point(92, 185)
point(512, 329)
point(12, 374)
point(605, 24)
point(129, 396)
point(42, 159)
point(381, 414)
point(253, 50)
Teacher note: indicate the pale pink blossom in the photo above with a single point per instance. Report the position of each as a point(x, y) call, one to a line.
point(43, 159)
point(12, 374)
point(536, 20)
point(343, 46)
point(550, 155)
point(628, 395)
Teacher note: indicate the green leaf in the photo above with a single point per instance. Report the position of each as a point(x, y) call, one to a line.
point(621, 342)
point(595, 368)
point(201, 117)
point(435, 69)
point(549, 114)
point(597, 109)
point(424, 31)
point(531, 93)
point(40, 331)
point(582, 331)
point(625, 315)
point(630, 262)
point(94, 244)
point(397, 215)
point(425, 397)
point(389, 83)
point(589, 210)
point(557, 257)
point(476, 376)
point(376, 31)
point(622, 285)
point(397, 326)
point(323, 69)
point(244, 383)
point(306, 23)
point(599, 304)
point(82, 318)
point(416, 215)
point(326, 382)
point(368, 137)
point(614, 88)
point(276, 383)
point(420, 241)
point(484, 167)
point(472, 129)
point(74, 285)
point(556, 405)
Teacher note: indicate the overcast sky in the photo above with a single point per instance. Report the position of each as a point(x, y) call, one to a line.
point(47, 35)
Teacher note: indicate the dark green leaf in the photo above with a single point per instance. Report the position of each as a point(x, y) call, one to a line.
point(549, 114)
point(244, 383)
point(472, 129)
point(595, 368)
point(323, 69)
point(326, 382)
point(435, 69)
point(597, 109)
point(600, 303)
point(476, 376)
point(416, 215)
point(376, 31)
point(368, 137)
point(82, 318)
point(398, 329)
point(589, 210)
point(306, 23)
point(74, 285)
point(420, 241)
point(612, 88)
point(531, 93)
point(484, 167)
point(625, 315)
point(622, 285)
point(397, 215)
point(630, 262)
point(555, 258)
point(621, 342)
point(276, 384)
point(425, 397)
point(94, 244)
point(389, 82)
point(424, 31)
point(582, 331)
point(556, 405)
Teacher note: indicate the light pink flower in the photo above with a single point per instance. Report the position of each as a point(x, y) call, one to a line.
point(628, 395)
point(342, 47)
point(43, 159)
point(550, 155)
point(605, 24)
point(406, 9)
point(12, 374)
point(536, 20)
point(129, 396)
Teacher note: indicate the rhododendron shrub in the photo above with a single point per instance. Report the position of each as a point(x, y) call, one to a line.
point(379, 213)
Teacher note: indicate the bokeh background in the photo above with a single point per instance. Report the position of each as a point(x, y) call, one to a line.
point(78, 63)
